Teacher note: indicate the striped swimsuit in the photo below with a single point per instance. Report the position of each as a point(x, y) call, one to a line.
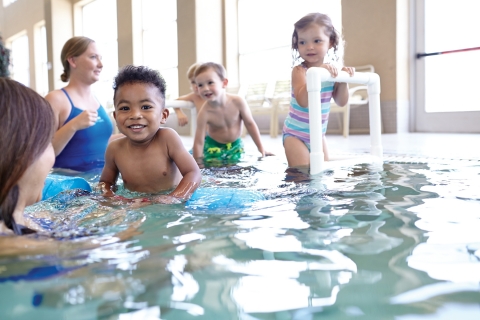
point(297, 121)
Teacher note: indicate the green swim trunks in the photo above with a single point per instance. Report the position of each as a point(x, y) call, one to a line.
point(215, 152)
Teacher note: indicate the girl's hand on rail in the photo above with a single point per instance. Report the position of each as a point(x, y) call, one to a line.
point(331, 68)
point(349, 70)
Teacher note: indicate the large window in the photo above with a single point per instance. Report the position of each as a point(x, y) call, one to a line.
point(160, 44)
point(20, 59)
point(41, 60)
point(265, 35)
point(99, 22)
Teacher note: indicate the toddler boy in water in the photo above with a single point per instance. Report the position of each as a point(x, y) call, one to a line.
point(221, 118)
point(149, 158)
point(193, 96)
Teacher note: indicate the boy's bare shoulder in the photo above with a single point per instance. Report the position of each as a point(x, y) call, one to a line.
point(235, 99)
point(165, 133)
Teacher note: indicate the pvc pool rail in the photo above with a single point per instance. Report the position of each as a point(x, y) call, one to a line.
point(315, 77)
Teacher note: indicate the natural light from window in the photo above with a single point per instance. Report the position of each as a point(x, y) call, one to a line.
point(41, 60)
point(442, 72)
point(20, 59)
point(265, 35)
point(160, 45)
point(103, 13)
point(6, 3)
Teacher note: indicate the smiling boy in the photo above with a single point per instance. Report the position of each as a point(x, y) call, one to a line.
point(221, 116)
point(149, 158)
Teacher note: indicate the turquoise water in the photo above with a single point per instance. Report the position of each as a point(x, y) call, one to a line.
point(402, 242)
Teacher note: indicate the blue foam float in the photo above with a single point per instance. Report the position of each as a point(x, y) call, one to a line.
point(54, 184)
point(215, 198)
point(202, 198)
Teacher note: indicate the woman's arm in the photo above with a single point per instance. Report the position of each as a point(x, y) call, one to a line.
point(65, 131)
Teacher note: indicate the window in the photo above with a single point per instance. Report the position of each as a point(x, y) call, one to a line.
point(20, 59)
point(6, 3)
point(41, 60)
point(265, 35)
point(103, 13)
point(160, 48)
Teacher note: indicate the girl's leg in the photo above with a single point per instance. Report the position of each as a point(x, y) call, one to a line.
point(297, 152)
point(325, 148)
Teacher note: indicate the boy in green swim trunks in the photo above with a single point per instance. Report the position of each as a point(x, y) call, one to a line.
point(222, 114)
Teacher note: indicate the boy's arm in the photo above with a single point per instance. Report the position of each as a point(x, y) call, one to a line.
point(182, 118)
point(192, 177)
point(199, 140)
point(250, 124)
point(109, 175)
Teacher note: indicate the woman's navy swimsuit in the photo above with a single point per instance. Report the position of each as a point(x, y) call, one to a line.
point(86, 150)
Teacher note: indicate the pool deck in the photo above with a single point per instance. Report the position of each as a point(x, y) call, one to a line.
point(432, 145)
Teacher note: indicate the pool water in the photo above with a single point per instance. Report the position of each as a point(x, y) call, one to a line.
point(398, 242)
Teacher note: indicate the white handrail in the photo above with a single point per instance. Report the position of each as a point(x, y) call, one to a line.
point(186, 105)
point(315, 76)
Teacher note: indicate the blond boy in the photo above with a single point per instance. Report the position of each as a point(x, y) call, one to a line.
point(221, 116)
point(193, 96)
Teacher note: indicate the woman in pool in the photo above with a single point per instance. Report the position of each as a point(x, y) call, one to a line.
point(83, 127)
point(27, 154)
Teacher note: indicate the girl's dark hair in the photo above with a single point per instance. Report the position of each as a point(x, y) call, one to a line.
point(141, 74)
point(321, 20)
point(74, 47)
point(28, 125)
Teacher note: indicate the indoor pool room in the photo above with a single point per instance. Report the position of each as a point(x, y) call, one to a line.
point(374, 214)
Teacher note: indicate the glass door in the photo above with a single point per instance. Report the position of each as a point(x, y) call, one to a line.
point(447, 66)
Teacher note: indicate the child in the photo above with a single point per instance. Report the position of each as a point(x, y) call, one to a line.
point(313, 36)
point(149, 158)
point(193, 96)
point(221, 116)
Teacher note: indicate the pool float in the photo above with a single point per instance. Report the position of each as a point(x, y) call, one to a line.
point(54, 184)
point(202, 198)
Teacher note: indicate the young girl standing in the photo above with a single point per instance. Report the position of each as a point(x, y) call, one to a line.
point(313, 36)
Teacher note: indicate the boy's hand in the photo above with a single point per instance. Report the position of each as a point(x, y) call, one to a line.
point(182, 119)
point(268, 154)
point(166, 199)
point(349, 70)
point(102, 188)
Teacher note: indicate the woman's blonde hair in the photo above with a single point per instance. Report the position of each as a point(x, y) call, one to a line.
point(74, 47)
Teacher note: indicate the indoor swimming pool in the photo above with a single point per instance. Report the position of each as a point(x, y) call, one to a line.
point(394, 242)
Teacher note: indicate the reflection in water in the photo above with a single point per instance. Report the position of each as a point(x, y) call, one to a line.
point(399, 242)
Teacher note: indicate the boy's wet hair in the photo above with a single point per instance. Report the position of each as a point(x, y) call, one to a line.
point(218, 68)
point(139, 74)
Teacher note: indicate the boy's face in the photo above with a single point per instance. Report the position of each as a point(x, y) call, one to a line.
point(139, 111)
point(210, 85)
point(193, 85)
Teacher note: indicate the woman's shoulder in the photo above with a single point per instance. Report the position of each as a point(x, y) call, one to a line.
point(56, 98)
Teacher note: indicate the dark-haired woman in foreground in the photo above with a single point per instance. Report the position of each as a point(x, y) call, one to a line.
point(28, 125)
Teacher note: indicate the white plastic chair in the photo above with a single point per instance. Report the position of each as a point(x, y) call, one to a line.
point(357, 97)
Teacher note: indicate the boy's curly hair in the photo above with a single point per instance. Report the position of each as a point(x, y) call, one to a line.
point(139, 74)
